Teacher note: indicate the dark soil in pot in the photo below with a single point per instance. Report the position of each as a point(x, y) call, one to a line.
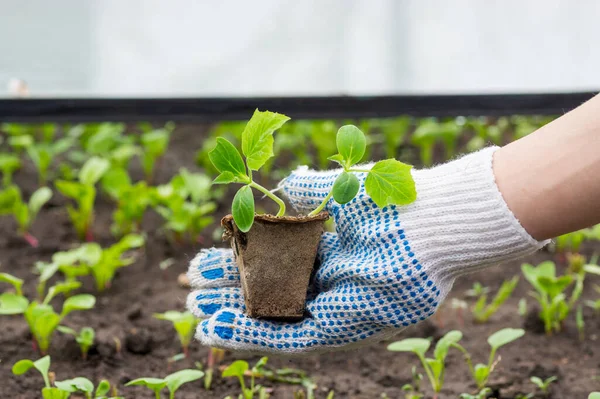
point(276, 258)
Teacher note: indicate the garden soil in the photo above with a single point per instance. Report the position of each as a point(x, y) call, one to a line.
point(123, 318)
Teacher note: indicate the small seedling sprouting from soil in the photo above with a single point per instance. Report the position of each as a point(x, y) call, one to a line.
point(481, 372)
point(24, 213)
point(482, 310)
point(154, 144)
point(413, 391)
point(85, 338)
point(550, 293)
point(184, 323)
point(239, 368)
point(83, 192)
point(543, 385)
point(172, 382)
point(9, 164)
point(435, 368)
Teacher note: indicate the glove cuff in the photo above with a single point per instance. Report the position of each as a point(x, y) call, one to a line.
point(460, 223)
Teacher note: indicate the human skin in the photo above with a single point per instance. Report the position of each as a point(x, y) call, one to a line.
point(550, 178)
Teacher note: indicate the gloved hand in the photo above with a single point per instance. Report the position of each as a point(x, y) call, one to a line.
point(383, 270)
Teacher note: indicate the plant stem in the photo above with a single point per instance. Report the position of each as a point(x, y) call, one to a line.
point(322, 204)
point(269, 194)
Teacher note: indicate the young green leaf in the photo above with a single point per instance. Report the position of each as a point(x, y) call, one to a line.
point(243, 208)
point(390, 183)
point(236, 369)
point(351, 144)
point(16, 282)
point(257, 137)
point(154, 384)
point(345, 187)
point(227, 160)
point(337, 158)
point(38, 199)
point(93, 170)
point(176, 380)
point(42, 365)
point(416, 345)
point(441, 348)
point(78, 302)
point(11, 304)
point(76, 384)
point(594, 395)
point(102, 389)
point(505, 336)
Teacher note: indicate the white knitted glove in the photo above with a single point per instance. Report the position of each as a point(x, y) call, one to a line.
point(383, 270)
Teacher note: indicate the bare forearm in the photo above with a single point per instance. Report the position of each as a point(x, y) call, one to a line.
point(550, 179)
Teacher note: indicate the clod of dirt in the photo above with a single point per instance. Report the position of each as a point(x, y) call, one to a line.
point(276, 258)
point(135, 312)
point(138, 341)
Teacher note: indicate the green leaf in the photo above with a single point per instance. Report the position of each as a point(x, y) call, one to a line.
point(176, 380)
point(481, 374)
point(257, 137)
point(226, 158)
point(505, 336)
point(38, 199)
point(594, 395)
point(390, 183)
point(236, 369)
point(345, 187)
point(16, 282)
point(337, 158)
point(594, 269)
point(78, 302)
point(76, 384)
point(92, 170)
point(155, 384)
point(54, 393)
point(416, 345)
point(103, 388)
point(22, 366)
point(225, 178)
point(69, 189)
point(11, 304)
point(351, 144)
point(66, 330)
point(243, 208)
point(442, 346)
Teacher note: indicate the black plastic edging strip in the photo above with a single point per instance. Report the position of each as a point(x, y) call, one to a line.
point(216, 109)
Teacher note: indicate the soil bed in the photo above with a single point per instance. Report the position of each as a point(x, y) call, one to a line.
point(125, 312)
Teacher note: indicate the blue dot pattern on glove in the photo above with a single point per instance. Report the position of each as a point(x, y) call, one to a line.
point(369, 285)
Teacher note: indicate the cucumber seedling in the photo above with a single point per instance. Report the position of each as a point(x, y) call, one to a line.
point(387, 182)
point(184, 323)
point(172, 382)
point(481, 372)
point(11, 202)
point(85, 338)
point(83, 192)
point(435, 368)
